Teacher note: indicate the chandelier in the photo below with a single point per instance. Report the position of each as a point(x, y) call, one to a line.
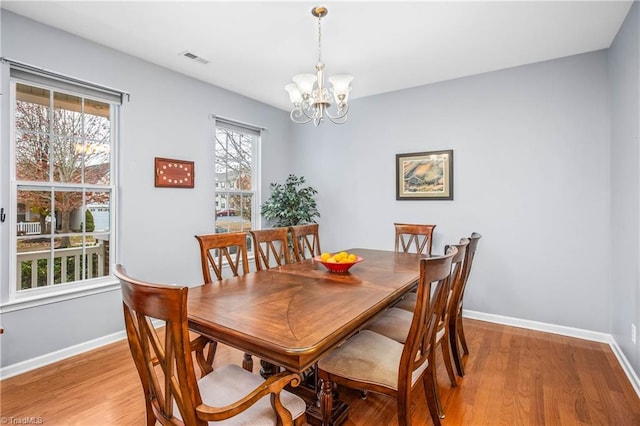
point(311, 99)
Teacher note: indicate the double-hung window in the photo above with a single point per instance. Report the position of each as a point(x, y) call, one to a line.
point(62, 183)
point(236, 170)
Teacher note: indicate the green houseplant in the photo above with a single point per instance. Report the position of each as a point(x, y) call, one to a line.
point(291, 203)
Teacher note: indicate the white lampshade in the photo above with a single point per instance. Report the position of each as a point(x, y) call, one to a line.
point(294, 94)
point(341, 84)
point(336, 95)
point(305, 82)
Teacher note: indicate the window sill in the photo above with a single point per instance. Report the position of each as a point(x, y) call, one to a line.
point(27, 301)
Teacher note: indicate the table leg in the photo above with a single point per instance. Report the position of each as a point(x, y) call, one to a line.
point(247, 362)
point(268, 369)
point(326, 401)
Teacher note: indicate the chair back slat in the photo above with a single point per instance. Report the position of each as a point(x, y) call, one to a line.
point(306, 241)
point(432, 291)
point(271, 247)
point(218, 250)
point(413, 238)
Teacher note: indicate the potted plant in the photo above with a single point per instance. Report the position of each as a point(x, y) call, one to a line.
point(291, 203)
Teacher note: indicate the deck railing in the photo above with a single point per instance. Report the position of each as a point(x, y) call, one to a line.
point(29, 228)
point(68, 266)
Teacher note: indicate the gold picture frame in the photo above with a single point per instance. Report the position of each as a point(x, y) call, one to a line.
point(424, 175)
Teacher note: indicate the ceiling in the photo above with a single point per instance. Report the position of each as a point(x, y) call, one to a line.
point(254, 48)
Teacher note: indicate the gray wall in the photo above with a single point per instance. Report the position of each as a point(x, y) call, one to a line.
point(168, 116)
point(532, 174)
point(624, 59)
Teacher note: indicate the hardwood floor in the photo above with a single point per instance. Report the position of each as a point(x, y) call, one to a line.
point(514, 377)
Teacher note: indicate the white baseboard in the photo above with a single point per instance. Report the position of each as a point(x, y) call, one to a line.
point(41, 361)
point(564, 331)
point(624, 362)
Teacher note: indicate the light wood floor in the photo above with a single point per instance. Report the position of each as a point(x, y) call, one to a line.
point(514, 377)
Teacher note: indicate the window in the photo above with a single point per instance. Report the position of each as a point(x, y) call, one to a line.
point(63, 183)
point(236, 168)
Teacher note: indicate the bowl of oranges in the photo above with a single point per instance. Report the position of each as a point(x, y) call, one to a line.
point(338, 262)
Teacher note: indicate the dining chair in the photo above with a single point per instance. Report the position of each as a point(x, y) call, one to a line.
point(216, 252)
point(271, 247)
point(413, 238)
point(456, 330)
point(173, 395)
point(375, 363)
point(306, 241)
point(395, 322)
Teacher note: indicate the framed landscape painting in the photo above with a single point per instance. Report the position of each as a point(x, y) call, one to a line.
point(424, 175)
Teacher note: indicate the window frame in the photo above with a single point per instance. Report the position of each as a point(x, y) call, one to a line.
point(15, 298)
point(256, 163)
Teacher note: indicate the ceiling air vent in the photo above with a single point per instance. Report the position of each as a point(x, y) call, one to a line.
point(194, 57)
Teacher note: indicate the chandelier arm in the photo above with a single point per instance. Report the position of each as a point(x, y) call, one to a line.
point(340, 117)
point(296, 113)
point(310, 108)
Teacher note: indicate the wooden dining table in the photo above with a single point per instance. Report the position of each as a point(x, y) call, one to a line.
point(293, 315)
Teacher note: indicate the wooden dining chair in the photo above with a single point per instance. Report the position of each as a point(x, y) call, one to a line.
point(172, 394)
point(395, 323)
point(413, 238)
point(271, 247)
point(456, 330)
point(398, 367)
point(216, 252)
point(306, 242)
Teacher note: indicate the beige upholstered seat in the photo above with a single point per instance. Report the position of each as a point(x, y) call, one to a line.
point(228, 395)
point(372, 362)
point(306, 241)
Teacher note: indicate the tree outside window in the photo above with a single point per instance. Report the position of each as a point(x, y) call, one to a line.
point(235, 192)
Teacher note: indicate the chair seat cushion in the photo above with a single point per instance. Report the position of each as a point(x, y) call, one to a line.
point(231, 383)
point(408, 302)
point(368, 357)
point(393, 323)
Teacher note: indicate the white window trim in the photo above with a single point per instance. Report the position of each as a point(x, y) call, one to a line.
point(55, 295)
point(25, 299)
point(256, 174)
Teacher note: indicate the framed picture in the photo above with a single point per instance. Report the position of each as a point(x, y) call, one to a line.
point(174, 173)
point(424, 175)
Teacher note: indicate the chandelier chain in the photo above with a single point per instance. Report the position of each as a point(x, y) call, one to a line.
point(319, 40)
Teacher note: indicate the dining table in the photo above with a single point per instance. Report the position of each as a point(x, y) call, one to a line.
point(292, 315)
